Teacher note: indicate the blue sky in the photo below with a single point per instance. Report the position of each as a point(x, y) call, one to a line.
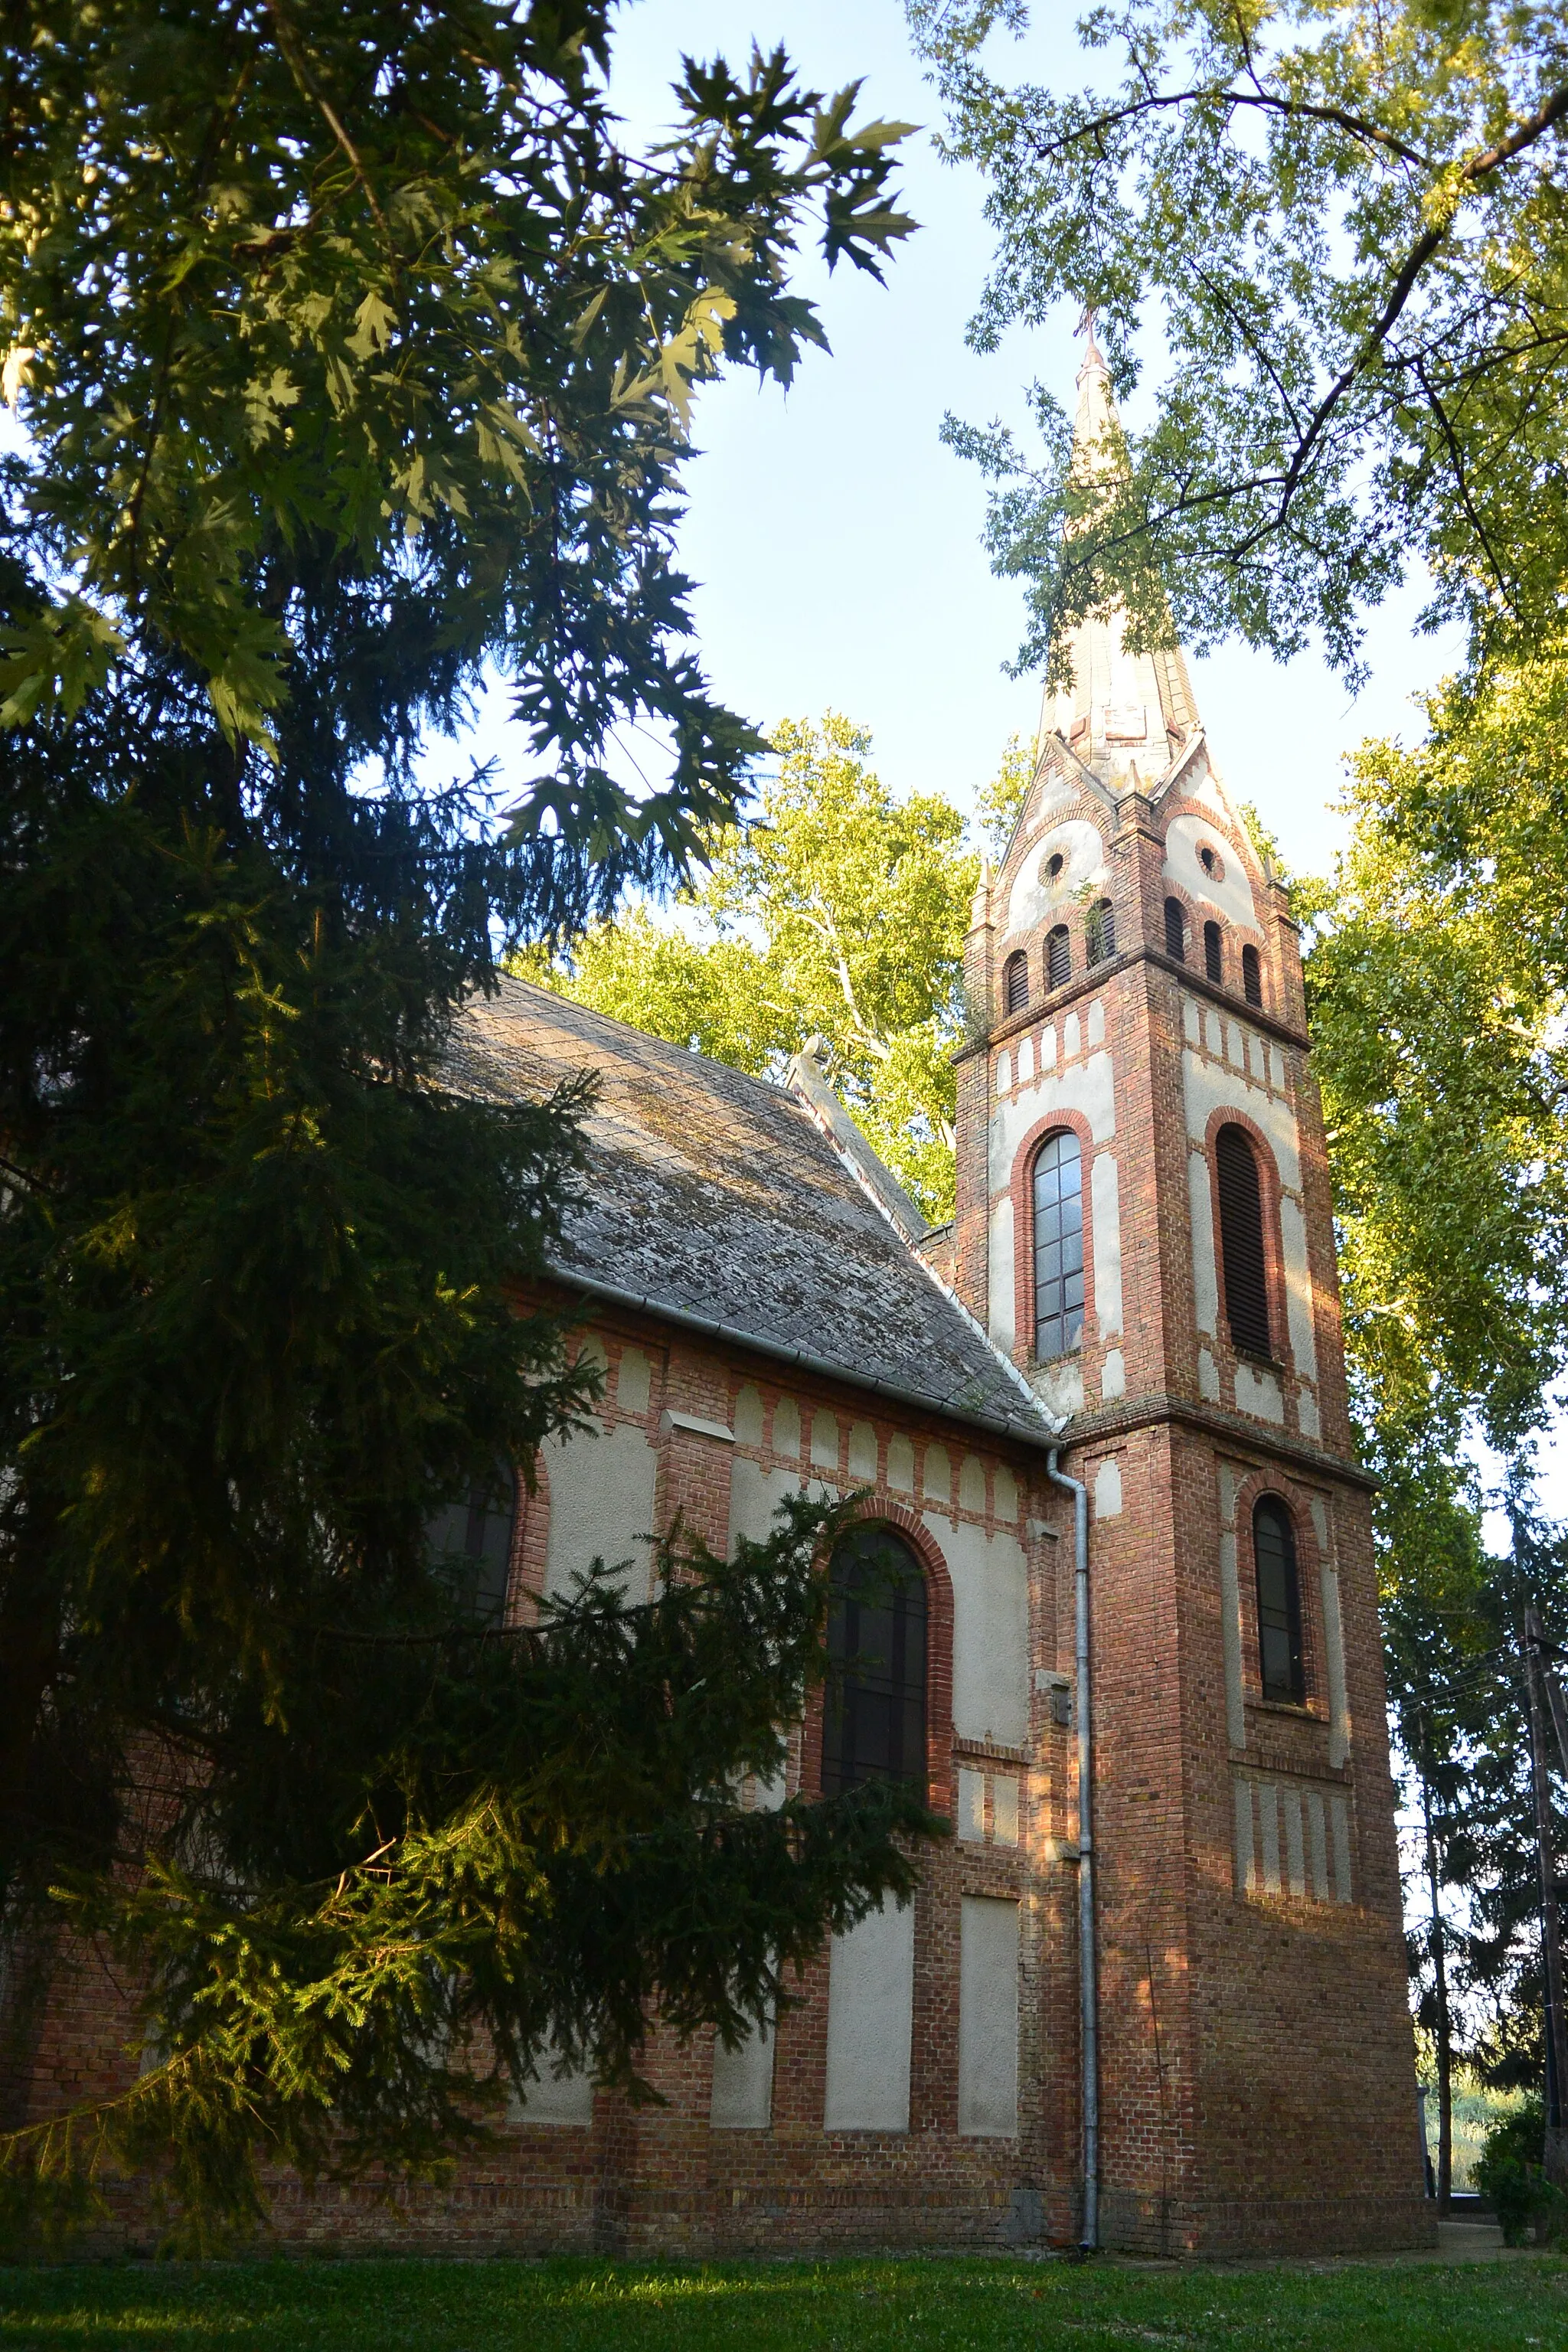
point(836, 543)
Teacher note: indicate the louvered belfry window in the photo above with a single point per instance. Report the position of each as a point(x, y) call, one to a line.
point(1016, 983)
point(1101, 932)
point(1175, 930)
point(1281, 1668)
point(1213, 952)
point(1058, 1247)
point(1058, 957)
point(1251, 976)
point(1241, 1242)
point(874, 1716)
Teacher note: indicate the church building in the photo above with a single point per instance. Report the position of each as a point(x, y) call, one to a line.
point(1158, 2006)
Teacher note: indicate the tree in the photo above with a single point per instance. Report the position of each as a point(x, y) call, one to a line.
point(833, 908)
point(1343, 219)
point(355, 357)
point(1435, 984)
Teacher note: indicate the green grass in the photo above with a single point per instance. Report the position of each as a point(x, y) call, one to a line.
point(858, 2305)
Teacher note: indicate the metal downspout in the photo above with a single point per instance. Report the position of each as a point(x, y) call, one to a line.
point(1087, 1969)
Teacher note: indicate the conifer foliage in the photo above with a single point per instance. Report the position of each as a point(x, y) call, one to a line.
point(354, 358)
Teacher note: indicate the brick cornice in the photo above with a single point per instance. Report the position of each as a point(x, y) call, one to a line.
point(1090, 983)
point(1160, 1404)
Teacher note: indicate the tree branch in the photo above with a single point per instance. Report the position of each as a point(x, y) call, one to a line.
point(1266, 101)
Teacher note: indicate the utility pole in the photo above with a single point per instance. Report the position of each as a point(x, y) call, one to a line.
point(1556, 2150)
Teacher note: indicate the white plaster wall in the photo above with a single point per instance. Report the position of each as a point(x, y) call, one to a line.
point(870, 2018)
point(1233, 896)
point(1108, 1489)
point(1207, 1088)
point(633, 1381)
point(1206, 1276)
point(553, 2098)
point(755, 1495)
point(988, 2018)
point(1034, 900)
point(748, 1415)
point(1000, 1294)
point(990, 1630)
point(1088, 1088)
point(742, 2095)
point(1298, 1315)
point(1105, 1201)
point(601, 1504)
point(1259, 1393)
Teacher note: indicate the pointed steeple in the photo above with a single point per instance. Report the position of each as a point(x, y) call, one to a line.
point(1126, 716)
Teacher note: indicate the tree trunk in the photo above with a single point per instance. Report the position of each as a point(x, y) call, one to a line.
point(1440, 1996)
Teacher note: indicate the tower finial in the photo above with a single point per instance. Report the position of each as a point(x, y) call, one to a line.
point(1094, 356)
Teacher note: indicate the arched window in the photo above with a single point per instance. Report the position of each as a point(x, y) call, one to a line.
point(1058, 1247)
point(1240, 1193)
point(1101, 932)
point(1280, 1664)
point(1213, 952)
point(1175, 930)
point(1251, 976)
point(1058, 957)
point(874, 1720)
point(1016, 983)
point(470, 1544)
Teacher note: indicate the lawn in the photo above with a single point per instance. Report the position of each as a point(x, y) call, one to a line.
point(860, 2305)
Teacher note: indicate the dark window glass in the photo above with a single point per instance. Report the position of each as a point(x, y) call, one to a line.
point(1101, 937)
point(1058, 1247)
point(471, 1543)
point(1213, 952)
point(1279, 1603)
point(1175, 930)
point(1241, 1241)
point(874, 1718)
point(1016, 983)
point(1058, 957)
point(1251, 976)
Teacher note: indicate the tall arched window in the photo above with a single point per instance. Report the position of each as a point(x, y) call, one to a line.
point(1016, 983)
point(1058, 1247)
point(1279, 1663)
point(1251, 976)
point(470, 1544)
point(1240, 1190)
point(1058, 957)
point(874, 1718)
point(1175, 930)
point(1101, 936)
point(1213, 952)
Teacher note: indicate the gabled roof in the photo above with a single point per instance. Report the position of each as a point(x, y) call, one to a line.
point(718, 1196)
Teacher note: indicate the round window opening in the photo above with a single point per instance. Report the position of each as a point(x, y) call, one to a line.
point(1211, 863)
point(1054, 867)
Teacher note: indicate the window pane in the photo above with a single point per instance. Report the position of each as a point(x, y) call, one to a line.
point(874, 1718)
point(1058, 1247)
point(1058, 959)
point(471, 1542)
point(1175, 931)
point(1213, 952)
point(1279, 1604)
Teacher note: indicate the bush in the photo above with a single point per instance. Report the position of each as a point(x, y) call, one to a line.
point(1511, 2175)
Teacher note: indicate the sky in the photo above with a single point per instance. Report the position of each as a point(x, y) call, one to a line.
point(836, 543)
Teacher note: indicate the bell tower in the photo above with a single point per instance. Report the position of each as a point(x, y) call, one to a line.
point(1144, 1224)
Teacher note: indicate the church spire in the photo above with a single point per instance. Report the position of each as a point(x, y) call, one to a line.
point(1126, 716)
